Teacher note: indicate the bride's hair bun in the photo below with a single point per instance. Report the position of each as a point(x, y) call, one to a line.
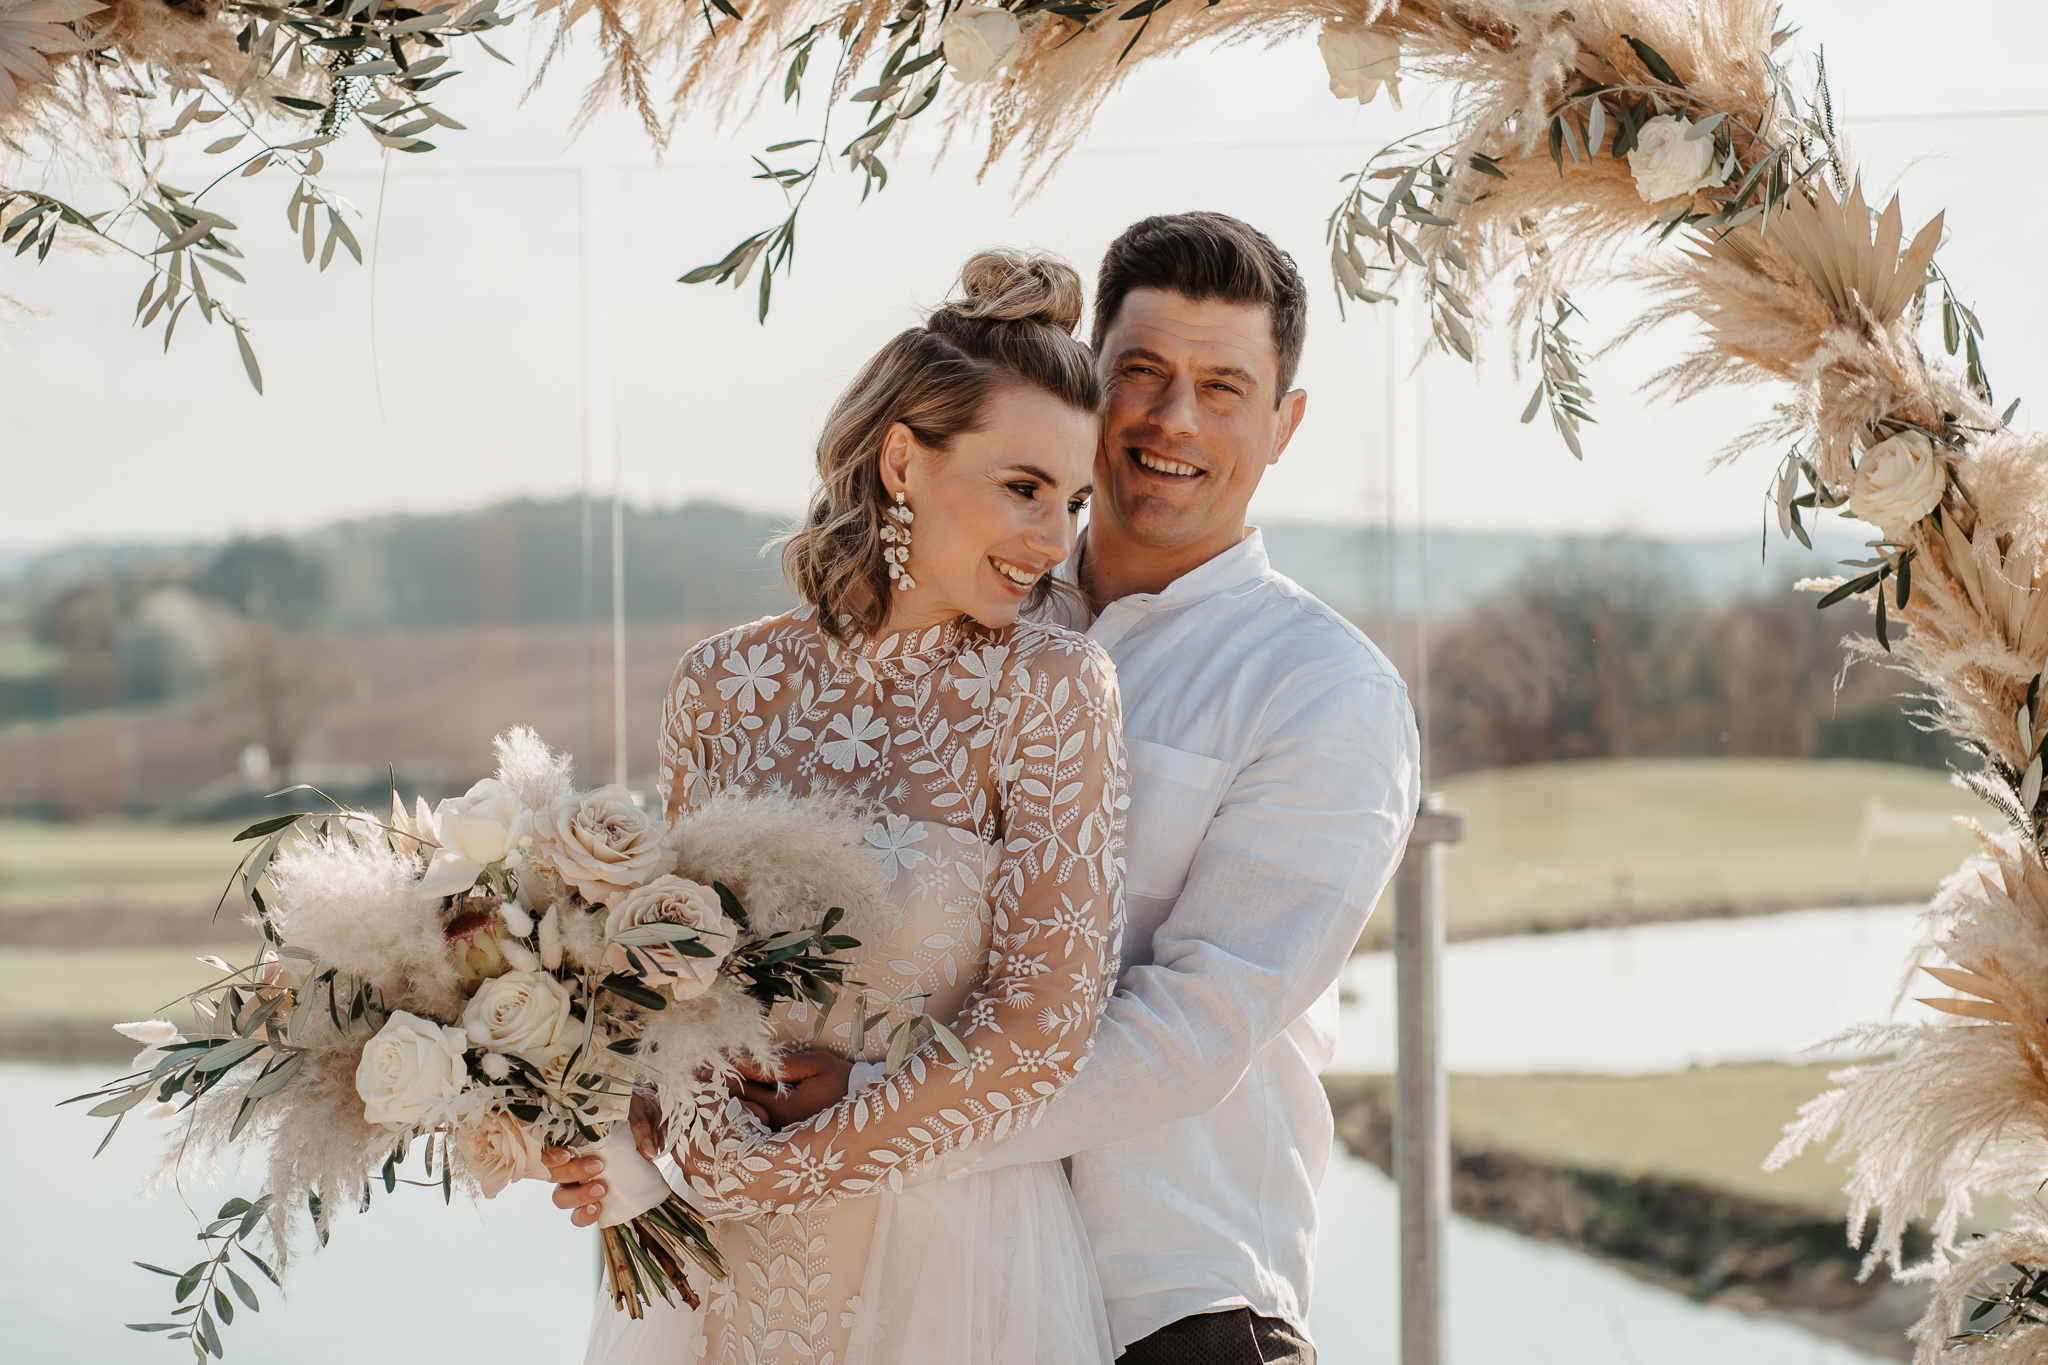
point(1005, 285)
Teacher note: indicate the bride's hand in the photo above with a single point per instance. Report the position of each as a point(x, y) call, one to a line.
point(577, 1186)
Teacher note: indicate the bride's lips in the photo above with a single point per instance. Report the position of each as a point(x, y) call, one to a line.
point(1161, 468)
point(1007, 573)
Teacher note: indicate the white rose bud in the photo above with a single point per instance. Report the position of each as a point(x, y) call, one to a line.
point(600, 843)
point(482, 826)
point(1666, 166)
point(499, 1149)
point(670, 900)
point(1898, 481)
point(411, 1071)
point(1360, 62)
point(525, 1013)
point(977, 40)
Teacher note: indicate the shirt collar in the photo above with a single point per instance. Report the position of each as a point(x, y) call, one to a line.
point(1242, 563)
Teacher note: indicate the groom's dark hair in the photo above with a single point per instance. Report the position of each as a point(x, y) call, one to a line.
point(1207, 256)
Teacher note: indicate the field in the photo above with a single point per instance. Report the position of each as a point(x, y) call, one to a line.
point(1563, 845)
point(129, 863)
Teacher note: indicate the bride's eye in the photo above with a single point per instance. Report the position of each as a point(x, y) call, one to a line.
point(1027, 491)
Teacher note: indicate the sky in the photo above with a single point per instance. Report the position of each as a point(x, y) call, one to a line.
point(522, 329)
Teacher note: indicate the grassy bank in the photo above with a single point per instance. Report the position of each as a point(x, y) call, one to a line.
point(1562, 845)
point(60, 1004)
point(135, 863)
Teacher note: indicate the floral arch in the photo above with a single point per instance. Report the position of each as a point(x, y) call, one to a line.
point(1580, 125)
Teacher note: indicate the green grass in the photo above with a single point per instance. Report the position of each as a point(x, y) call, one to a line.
point(114, 862)
point(81, 987)
point(1553, 843)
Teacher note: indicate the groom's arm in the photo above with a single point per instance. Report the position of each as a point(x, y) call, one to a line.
point(1305, 840)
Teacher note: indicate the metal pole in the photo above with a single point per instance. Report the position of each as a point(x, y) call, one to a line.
point(588, 765)
point(618, 606)
point(1422, 1147)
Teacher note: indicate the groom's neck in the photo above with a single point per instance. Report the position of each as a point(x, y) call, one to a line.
point(1115, 564)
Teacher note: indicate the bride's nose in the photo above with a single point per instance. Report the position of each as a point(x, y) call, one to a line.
point(1051, 537)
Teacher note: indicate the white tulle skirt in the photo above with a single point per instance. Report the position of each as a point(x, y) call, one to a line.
point(986, 1269)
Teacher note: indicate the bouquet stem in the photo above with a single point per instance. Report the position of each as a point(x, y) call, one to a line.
point(645, 1256)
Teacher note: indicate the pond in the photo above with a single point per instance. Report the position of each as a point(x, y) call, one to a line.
point(1650, 998)
point(510, 1280)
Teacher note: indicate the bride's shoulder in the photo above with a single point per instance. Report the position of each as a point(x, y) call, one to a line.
point(792, 631)
point(1048, 653)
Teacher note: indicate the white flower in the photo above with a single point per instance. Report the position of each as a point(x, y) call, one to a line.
point(757, 677)
point(1360, 61)
point(978, 39)
point(482, 826)
point(600, 843)
point(852, 747)
point(892, 839)
point(411, 1071)
point(1897, 482)
point(670, 900)
point(499, 1149)
point(1666, 166)
point(157, 1036)
point(523, 1013)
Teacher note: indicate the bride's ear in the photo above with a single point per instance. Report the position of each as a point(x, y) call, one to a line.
point(898, 445)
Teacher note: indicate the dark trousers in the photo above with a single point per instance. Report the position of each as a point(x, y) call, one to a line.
point(1236, 1336)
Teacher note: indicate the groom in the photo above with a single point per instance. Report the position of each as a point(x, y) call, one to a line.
point(1273, 778)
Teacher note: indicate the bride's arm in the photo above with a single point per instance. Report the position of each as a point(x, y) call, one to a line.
point(1057, 900)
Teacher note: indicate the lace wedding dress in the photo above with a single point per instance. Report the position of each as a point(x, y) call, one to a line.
point(996, 762)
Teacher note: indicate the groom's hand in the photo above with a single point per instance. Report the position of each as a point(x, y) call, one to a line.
point(805, 1084)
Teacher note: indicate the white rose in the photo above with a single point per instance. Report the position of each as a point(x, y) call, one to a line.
point(1666, 166)
point(411, 1071)
point(523, 1013)
point(600, 843)
point(670, 900)
point(1360, 61)
point(482, 826)
point(977, 40)
point(499, 1149)
point(1897, 482)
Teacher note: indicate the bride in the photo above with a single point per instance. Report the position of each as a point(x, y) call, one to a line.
point(952, 473)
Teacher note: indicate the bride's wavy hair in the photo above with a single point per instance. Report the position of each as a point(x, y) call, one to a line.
point(1011, 324)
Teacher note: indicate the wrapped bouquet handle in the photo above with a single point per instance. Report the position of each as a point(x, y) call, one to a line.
point(633, 1184)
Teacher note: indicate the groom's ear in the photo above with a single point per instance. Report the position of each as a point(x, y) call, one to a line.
point(898, 445)
point(1293, 404)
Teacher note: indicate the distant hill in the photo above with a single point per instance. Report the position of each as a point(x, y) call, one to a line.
point(522, 563)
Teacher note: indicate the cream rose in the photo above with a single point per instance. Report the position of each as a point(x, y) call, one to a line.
point(977, 40)
point(499, 1149)
point(1898, 481)
point(411, 1071)
point(1666, 166)
point(670, 900)
point(600, 843)
point(482, 826)
point(1360, 62)
point(523, 1013)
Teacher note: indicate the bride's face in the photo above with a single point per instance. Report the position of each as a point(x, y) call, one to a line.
point(995, 513)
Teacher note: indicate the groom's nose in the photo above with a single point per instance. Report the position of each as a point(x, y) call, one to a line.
point(1176, 412)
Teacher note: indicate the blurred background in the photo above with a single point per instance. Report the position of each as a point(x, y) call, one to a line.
point(1697, 835)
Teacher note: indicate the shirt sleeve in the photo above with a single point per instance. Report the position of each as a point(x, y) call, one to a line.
point(1304, 841)
point(1056, 904)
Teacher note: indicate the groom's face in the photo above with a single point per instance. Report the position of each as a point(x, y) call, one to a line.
point(1190, 421)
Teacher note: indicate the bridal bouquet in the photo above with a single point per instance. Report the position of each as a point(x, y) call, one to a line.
point(479, 982)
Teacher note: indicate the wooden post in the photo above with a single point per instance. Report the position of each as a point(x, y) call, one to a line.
point(1421, 1127)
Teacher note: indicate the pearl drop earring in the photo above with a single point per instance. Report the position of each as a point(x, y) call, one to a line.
point(896, 543)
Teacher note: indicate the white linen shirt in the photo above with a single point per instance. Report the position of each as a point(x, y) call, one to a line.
point(1273, 778)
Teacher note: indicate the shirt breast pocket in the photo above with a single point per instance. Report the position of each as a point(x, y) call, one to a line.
point(1174, 794)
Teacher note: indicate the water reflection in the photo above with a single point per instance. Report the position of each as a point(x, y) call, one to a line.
point(512, 1281)
point(1651, 998)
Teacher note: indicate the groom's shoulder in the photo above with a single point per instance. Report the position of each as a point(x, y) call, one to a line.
point(1296, 632)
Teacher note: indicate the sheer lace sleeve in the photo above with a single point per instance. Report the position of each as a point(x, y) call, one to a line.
point(1056, 900)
